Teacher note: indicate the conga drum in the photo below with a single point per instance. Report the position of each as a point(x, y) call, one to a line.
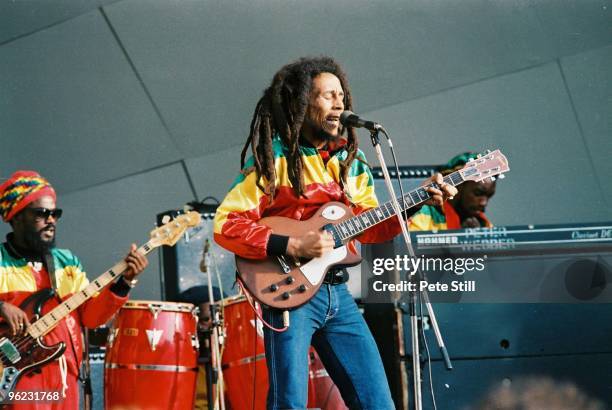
point(243, 360)
point(151, 357)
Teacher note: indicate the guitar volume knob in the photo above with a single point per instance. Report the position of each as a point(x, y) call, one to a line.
point(274, 287)
point(290, 280)
point(286, 295)
point(302, 288)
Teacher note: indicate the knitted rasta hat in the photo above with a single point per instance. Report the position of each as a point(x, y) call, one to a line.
point(457, 162)
point(21, 189)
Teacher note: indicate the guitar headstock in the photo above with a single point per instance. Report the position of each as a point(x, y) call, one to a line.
point(486, 166)
point(169, 233)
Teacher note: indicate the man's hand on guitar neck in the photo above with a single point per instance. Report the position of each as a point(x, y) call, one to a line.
point(136, 263)
point(441, 194)
point(15, 317)
point(311, 245)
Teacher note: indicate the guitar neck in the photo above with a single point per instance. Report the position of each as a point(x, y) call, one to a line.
point(46, 323)
point(353, 227)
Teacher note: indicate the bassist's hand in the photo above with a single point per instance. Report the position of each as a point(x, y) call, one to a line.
point(136, 263)
point(15, 317)
point(311, 245)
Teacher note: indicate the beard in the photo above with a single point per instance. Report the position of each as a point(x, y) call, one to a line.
point(34, 240)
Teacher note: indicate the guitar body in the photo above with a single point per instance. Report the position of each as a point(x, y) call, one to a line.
point(23, 354)
point(285, 283)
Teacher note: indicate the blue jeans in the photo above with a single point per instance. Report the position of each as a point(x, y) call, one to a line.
point(332, 323)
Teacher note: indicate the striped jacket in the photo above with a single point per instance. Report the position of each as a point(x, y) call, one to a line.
point(235, 225)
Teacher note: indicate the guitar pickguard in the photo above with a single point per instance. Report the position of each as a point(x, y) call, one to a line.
point(315, 268)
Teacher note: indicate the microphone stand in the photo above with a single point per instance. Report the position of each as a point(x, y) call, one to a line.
point(215, 338)
point(414, 324)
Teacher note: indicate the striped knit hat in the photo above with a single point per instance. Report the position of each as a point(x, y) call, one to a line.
point(457, 162)
point(21, 189)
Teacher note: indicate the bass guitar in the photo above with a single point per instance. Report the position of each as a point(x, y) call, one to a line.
point(25, 353)
point(285, 283)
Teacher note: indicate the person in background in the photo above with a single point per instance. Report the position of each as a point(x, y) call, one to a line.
point(465, 210)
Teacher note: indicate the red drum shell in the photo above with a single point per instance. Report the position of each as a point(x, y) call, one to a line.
point(244, 365)
point(151, 357)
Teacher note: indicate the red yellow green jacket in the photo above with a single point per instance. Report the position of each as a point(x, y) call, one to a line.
point(432, 218)
point(235, 225)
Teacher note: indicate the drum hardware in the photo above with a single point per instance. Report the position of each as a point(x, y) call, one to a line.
point(112, 335)
point(195, 342)
point(154, 310)
point(216, 397)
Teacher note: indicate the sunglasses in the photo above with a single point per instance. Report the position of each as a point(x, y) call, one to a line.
point(45, 213)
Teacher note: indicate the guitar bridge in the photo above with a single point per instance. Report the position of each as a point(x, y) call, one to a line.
point(8, 349)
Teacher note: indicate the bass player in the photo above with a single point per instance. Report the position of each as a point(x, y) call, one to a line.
point(28, 262)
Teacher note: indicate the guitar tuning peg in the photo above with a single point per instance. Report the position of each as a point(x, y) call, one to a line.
point(488, 151)
point(471, 159)
point(166, 219)
point(501, 176)
point(492, 179)
point(479, 156)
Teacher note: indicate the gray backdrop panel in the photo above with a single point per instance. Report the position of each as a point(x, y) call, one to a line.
point(19, 18)
point(72, 108)
point(588, 80)
point(191, 54)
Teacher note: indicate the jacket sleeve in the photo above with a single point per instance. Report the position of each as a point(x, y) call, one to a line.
point(360, 186)
point(235, 224)
point(101, 307)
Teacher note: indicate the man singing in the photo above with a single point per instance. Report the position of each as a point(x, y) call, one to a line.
point(29, 262)
point(303, 158)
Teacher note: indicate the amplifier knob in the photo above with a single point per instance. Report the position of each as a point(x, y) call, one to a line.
point(274, 287)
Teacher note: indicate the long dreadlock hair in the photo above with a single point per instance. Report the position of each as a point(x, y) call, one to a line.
point(281, 111)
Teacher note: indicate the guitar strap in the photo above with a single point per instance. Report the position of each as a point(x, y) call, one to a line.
point(257, 308)
point(50, 265)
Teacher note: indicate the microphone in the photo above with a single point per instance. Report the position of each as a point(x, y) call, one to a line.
point(350, 119)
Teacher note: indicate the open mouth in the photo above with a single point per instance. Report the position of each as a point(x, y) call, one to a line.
point(332, 120)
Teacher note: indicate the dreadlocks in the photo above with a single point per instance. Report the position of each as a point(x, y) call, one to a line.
point(281, 111)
